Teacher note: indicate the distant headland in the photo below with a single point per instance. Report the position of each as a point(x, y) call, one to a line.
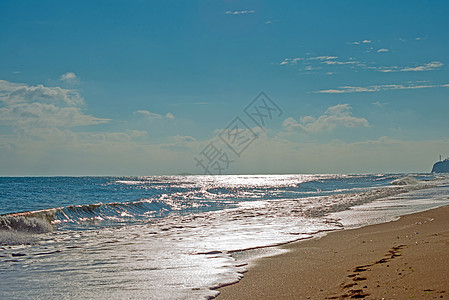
point(441, 166)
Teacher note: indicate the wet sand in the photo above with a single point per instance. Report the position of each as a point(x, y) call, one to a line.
point(404, 259)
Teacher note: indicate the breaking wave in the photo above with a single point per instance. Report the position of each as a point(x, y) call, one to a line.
point(111, 211)
point(22, 230)
point(43, 221)
point(405, 181)
point(25, 224)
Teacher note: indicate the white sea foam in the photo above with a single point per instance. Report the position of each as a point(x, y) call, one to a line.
point(25, 224)
point(405, 181)
point(18, 230)
point(17, 238)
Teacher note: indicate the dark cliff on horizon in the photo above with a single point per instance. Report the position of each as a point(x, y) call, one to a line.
point(441, 166)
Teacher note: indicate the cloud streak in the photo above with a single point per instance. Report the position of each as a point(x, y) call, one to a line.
point(431, 66)
point(377, 88)
point(426, 67)
point(153, 116)
point(239, 12)
point(310, 63)
point(296, 60)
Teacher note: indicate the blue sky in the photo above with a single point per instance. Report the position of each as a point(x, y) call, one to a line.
point(144, 87)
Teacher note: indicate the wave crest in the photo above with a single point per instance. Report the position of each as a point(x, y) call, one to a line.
point(43, 221)
point(25, 224)
point(22, 230)
point(405, 181)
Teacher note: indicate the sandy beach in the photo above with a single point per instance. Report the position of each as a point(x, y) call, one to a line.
point(403, 259)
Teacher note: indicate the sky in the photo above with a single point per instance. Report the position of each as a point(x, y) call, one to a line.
point(222, 87)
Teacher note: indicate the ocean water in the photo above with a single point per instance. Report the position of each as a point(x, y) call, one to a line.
point(178, 237)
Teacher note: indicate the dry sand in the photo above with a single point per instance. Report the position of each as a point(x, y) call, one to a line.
point(404, 259)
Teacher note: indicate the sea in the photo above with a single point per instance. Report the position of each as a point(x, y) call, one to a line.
point(179, 237)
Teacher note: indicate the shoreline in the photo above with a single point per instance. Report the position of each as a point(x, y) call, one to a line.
point(398, 259)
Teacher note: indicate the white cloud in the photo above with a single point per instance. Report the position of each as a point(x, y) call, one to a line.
point(153, 116)
point(331, 91)
point(310, 61)
point(324, 62)
point(38, 130)
point(184, 139)
point(291, 61)
point(360, 42)
point(351, 89)
point(69, 78)
point(20, 92)
point(296, 60)
point(378, 88)
point(336, 62)
point(26, 107)
point(335, 116)
point(322, 57)
point(148, 114)
point(387, 70)
point(137, 133)
point(434, 65)
point(426, 67)
point(380, 104)
point(239, 12)
point(28, 115)
point(310, 68)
